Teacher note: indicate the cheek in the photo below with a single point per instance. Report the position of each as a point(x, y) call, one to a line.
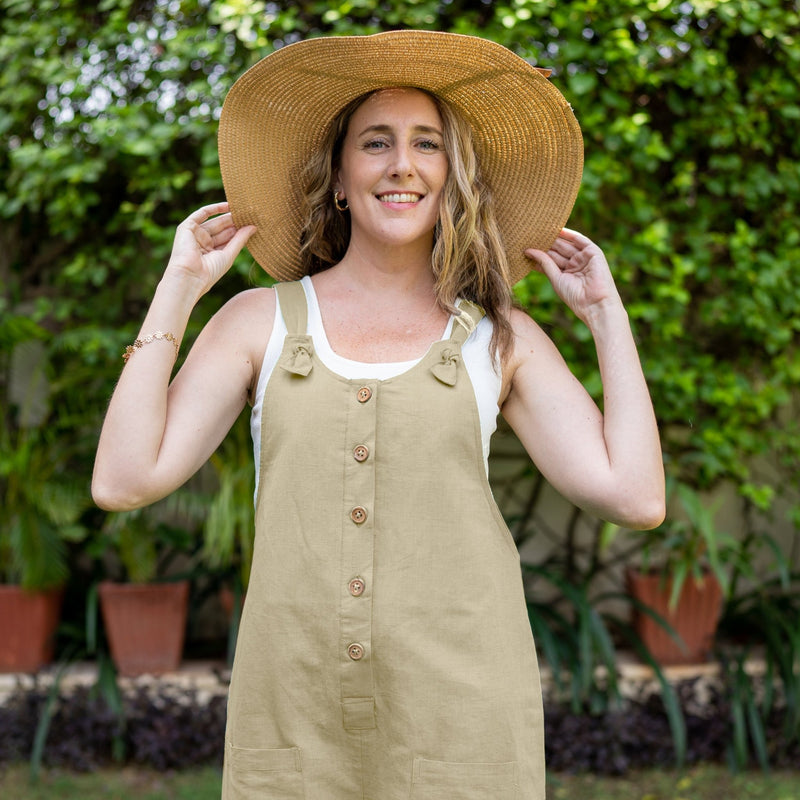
point(442, 174)
point(356, 173)
point(443, 168)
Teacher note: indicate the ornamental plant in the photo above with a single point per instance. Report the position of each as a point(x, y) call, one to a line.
point(689, 108)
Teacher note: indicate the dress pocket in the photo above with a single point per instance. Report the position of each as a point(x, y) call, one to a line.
point(446, 780)
point(275, 774)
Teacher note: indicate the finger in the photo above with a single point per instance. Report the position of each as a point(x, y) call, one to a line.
point(575, 236)
point(218, 222)
point(208, 242)
point(221, 228)
point(558, 259)
point(214, 233)
point(544, 263)
point(564, 247)
point(199, 216)
point(536, 257)
point(238, 241)
point(215, 237)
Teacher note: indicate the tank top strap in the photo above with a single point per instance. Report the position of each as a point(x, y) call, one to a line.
point(294, 307)
point(466, 322)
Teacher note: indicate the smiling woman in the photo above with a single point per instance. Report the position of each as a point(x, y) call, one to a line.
point(396, 185)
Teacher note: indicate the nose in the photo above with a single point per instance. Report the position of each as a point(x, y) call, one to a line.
point(401, 166)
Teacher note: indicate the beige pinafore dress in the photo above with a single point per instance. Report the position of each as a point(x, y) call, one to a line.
point(385, 651)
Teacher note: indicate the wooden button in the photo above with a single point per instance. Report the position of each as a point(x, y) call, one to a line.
point(356, 587)
point(355, 651)
point(358, 515)
point(364, 394)
point(361, 452)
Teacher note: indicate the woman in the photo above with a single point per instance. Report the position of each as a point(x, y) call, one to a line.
point(385, 650)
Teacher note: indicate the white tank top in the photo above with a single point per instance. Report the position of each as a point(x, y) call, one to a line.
point(484, 372)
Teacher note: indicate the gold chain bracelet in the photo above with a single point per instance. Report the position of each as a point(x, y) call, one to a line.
point(131, 348)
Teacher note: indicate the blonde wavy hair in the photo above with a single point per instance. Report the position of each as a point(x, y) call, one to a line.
point(468, 258)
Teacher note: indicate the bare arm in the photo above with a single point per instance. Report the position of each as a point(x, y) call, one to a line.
point(156, 435)
point(608, 463)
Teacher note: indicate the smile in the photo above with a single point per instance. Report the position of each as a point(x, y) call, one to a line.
point(400, 197)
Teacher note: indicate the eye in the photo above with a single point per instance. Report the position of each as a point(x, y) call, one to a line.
point(429, 145)
point(375, 144)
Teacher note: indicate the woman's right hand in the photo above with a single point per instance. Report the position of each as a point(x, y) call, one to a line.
point(206, 244)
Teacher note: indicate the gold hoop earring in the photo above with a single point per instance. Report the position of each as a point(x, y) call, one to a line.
point(338, 203)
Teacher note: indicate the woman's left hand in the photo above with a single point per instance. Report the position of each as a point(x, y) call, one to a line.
point(579, 273)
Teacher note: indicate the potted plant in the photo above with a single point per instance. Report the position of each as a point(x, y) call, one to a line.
point(144, 615)
point(41, 510)
point(679, 589)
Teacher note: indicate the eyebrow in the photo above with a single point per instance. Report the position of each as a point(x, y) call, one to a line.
point(388, 129)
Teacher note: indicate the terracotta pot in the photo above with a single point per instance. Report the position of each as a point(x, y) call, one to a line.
point(227, 600)
point(28, 622)
point(694, 618)
point(145, 624)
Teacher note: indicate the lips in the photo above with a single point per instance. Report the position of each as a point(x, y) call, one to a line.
point(400, 197)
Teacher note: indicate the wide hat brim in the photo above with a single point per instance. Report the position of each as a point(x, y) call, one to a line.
point(277, 113)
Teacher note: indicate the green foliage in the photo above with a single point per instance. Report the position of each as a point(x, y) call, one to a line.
point(692, 185)
point(229, 529)
point(692, 182)
point(575, 641)
point(689, 545)
point(43, 501)
point(575, 635)
point(140, 545)
point(762, 620)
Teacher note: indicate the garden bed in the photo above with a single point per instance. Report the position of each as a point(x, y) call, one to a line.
point(178, 720)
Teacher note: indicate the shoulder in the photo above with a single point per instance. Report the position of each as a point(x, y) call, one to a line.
point(252, 310)
point(523, 325)
point(526, 333)
point(243, 325)
point(530, 340)
point(255, 301)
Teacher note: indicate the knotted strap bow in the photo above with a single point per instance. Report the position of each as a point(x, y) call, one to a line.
point(446, 370)
point(296, 357)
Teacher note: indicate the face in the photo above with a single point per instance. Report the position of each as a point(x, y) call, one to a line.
point(393, 168)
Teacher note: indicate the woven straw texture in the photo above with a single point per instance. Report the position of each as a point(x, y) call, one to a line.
point(528, 140)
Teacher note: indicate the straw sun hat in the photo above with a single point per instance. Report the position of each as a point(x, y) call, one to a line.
point(277, 113)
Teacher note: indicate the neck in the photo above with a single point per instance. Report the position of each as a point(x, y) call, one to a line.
point(404, 270)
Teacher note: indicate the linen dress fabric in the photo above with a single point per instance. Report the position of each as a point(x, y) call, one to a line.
point(385, 651)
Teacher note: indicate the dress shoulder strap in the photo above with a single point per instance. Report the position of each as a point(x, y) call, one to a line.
point(294, 308)
point(466, 322)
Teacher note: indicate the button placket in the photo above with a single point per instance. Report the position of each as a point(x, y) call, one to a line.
point(356, 575)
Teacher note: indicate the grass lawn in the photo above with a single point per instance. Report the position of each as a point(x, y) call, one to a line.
point(125, 783)
point(696, 783)
point(702, 783)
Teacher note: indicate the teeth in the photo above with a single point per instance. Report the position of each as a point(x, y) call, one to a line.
point(399, 197)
